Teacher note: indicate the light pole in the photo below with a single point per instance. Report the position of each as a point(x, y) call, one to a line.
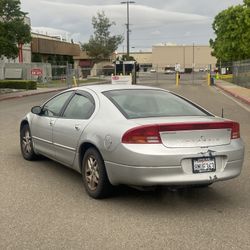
point(127, 24)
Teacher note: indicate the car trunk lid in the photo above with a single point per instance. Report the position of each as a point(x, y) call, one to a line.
point(183, 132)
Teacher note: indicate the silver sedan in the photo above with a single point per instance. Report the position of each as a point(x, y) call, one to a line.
point(134, 135)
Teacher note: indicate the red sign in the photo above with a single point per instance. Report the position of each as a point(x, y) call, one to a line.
point(115, 78)
point(36, 72)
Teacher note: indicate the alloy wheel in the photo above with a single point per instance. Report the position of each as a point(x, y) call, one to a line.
point(92, 173)
point(26, 142)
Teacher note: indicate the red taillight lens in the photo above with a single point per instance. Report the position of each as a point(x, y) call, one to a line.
point(234, 126)
point(235, 133)
point(150, 134)
point(142, 135)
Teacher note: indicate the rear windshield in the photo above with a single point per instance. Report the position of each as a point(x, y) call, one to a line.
point(141, 103)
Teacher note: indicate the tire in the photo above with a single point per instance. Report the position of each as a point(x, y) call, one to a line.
point(94, 175)
point(27, 144)
point(202, 185)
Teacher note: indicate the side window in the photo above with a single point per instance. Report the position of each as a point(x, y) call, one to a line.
point(80, 107)
point(53, 107)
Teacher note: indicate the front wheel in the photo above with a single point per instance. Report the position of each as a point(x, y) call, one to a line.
point(26, 143)
point(94, 175)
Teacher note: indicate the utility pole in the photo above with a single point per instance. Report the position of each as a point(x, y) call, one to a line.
point(193, 63)
point(127, 24)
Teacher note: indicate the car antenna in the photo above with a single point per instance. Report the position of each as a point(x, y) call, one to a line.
point(222, 112)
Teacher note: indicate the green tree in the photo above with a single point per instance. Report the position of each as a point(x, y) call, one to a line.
point(232, 30)
point(13, 30)
point(101, 45)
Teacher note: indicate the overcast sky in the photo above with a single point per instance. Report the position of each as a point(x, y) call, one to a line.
point(151, 22)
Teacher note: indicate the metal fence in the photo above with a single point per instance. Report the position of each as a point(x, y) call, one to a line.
point(241, 73)
point(25, 71)
point(67, 75)
point(162, 73)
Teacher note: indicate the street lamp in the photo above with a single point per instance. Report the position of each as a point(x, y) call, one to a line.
point(127, 24)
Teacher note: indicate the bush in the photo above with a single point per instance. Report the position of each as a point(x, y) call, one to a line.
point(17, 84)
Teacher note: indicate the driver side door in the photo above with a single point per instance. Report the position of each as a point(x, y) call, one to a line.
point(42, 124)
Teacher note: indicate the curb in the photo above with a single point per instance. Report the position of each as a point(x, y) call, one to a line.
point(20, 95)
point(242, 98)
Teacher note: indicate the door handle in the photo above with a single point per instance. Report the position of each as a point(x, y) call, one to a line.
point(77, 127)
point(51, 122)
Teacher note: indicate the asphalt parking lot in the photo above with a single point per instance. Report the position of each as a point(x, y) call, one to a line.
point(44, 205)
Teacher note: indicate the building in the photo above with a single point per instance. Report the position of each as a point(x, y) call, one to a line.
point(186, 56)
point(52, 49)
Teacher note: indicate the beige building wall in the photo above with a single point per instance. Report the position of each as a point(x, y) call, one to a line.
point(187, 56)
point(140, 57)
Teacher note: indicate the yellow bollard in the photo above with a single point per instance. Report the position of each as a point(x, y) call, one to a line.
point(208, 79)
point(177, 78)
point(74, 80)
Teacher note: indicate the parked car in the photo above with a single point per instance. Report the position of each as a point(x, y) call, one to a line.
point(152, 71)
point(169, 71)
point(134, 135)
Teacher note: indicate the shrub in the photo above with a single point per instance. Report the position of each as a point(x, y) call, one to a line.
point(17, 84)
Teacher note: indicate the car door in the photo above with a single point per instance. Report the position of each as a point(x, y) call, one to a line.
point(42, 125)
point(68, 128)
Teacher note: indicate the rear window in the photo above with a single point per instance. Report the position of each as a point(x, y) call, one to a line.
point(141, 103)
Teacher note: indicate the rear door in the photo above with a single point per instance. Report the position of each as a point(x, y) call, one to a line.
point(69, 127)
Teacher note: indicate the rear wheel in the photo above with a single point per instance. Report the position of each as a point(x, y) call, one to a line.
point(26, 143)
point(94, 175)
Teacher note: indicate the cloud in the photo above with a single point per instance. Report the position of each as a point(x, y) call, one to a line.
point(182, 21)
point(76, 17)
point(156, 32)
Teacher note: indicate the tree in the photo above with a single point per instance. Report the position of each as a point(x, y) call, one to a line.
point(101, 45)
point(13, 30)
point(232, 30)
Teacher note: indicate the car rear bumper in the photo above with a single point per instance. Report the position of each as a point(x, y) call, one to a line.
point(170, 175)
point(152, 165)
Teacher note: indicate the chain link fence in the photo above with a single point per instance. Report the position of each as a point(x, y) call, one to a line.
point(48, 75)
point(241, 73)
point(188, 75)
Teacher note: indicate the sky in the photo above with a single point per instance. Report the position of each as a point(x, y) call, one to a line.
point(151, 22)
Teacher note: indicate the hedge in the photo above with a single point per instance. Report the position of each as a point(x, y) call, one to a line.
point(17, 84)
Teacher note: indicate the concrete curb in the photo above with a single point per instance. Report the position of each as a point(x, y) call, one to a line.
point(23, 94)
point(242, 98)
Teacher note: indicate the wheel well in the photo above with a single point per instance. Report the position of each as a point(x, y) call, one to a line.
point(82, 150)
point(23, 123)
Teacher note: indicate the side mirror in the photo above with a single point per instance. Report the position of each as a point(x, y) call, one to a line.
point(36, 110)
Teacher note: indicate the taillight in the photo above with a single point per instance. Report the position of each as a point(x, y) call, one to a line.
point(142, 135)
point(150, 134)
point(234, 126)
point(235, 132)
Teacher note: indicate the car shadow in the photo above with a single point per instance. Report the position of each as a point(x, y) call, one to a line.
point(160, 200)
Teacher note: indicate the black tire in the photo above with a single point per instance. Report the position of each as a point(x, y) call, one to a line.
point(26, 143)
point(202, 185)
point(94, 175)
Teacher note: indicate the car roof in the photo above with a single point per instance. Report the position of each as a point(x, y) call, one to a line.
point(98, 88)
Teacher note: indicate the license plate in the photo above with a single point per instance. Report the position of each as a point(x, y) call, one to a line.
point(204, 165)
